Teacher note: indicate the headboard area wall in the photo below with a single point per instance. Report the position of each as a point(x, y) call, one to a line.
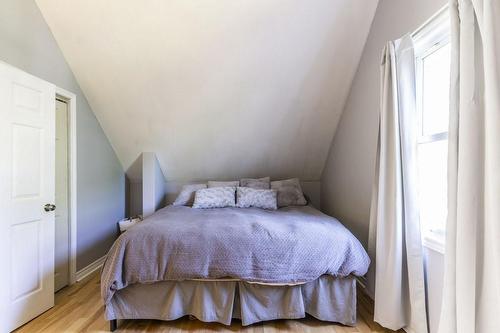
point(311, 189)
point(148, 190)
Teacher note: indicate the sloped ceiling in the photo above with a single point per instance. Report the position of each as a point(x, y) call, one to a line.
point(218, 89)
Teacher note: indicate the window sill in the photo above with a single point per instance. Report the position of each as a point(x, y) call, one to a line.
point(435, 242)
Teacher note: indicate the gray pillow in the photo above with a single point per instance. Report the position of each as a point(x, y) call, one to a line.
point(186, 197)
point(233, 183)
point(260, 183)
point(216, 197)
point(289, 192)
point(249, 197)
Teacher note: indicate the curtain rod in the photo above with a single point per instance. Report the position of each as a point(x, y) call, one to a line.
point(421, 27)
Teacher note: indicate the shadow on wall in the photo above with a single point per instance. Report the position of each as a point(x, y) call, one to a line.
point(133, 189)
point(145, 186)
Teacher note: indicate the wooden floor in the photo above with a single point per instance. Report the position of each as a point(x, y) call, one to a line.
point(79, 309)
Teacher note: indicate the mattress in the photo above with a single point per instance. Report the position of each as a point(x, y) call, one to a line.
point(289, 246)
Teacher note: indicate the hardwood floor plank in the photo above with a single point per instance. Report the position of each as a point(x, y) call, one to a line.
point(79, 308)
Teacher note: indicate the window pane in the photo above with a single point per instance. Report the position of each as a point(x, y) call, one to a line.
point(436, 87)
point(432, 168)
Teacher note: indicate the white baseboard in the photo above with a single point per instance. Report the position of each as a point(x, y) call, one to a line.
point(86, 271)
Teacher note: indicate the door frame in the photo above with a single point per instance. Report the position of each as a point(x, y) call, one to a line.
point(70, 99)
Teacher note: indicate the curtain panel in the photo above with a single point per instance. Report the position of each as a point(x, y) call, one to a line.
point(395, 241)
point(471, 296)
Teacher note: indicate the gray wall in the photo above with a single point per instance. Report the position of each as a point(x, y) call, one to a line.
point(27, 43)
point(348, 174)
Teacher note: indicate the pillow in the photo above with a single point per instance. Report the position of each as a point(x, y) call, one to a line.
point(213, 183)
point(186, 197)
point(216, 197)
point(261, 183)
point(250, 197)
point(289, 192)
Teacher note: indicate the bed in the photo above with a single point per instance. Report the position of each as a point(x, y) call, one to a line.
point(225, 263)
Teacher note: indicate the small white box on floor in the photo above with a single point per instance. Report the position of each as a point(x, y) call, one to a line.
point(128, 223)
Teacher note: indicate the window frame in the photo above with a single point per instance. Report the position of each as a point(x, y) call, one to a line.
point(430, 37)
point(419, 63)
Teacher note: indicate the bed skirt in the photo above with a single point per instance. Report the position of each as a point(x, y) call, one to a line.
point(327, 298)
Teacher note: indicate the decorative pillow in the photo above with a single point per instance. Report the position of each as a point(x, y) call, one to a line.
point(260, 184)
point(250, 197)
point(213, 183)
point(216, 197)
point(289, 192)
point(186, 197)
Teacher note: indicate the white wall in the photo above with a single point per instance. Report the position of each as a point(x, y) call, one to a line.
point(27, 43)
point(216, 88)
point(160, 188)
point(348, 175)
point(153, 185)
point(434, 274)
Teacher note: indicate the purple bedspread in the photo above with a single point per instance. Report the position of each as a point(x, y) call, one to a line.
point(289, 245)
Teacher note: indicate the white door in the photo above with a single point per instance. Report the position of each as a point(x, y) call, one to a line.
point(61, 269)
point(27, 108)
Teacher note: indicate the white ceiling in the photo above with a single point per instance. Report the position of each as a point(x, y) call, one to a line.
point(217, 88)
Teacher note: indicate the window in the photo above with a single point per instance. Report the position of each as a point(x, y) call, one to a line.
point(432, 51)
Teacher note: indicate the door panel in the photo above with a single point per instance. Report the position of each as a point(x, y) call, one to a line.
point(27, 178)
point(26, 150)
point(25, 257)
point(27, 99)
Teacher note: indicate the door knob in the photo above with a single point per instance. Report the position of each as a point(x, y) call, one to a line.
point(49, 207)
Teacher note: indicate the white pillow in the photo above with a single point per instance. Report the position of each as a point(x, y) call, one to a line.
point(259, 184)
point(289, 192)
point(233, 183)
point(186, 197)
point(216, 197)
point(250, 197)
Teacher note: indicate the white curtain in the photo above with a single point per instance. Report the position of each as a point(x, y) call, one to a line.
point(471, 297)
point(395, 241)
